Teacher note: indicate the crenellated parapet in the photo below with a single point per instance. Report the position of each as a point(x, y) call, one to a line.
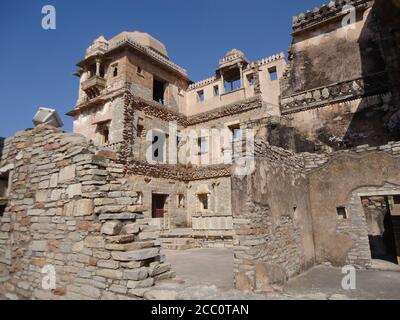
point(327, 11)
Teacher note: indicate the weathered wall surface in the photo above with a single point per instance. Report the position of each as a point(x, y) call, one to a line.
point(272, 222)
point(70, 207)
point(335, 104)
point(332, 186)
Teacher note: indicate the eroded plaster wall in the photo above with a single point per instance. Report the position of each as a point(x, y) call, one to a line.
point(272, 221)
point(332, 186)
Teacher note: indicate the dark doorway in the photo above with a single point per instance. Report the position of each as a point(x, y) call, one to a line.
point(158, 91)
point(158, 205)
point(381, 231)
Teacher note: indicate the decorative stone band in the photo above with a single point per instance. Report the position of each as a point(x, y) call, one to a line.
point(154, 109)
point(134, 167)
point(338, 92)
point(325, 12)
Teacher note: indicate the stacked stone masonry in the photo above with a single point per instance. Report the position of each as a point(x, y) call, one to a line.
point(70, 208)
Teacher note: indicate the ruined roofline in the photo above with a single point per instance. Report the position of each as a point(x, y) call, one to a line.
point(327, 11)
point(264, 61)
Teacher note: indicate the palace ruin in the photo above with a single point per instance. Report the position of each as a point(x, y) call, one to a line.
point(326, 184)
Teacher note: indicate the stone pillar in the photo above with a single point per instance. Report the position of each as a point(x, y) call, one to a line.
point(223, 84)
point(241, 75)
point(98, 63)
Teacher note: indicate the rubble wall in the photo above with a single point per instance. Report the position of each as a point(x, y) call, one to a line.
point(70, 208)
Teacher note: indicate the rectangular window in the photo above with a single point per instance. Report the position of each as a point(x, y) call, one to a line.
point(103, 130)
point(159, 87)
point(202, 144)
point(341, 213)
point(232, 85)
point(236, 139)
point(139, 131)
point(181, 199)
point(273, 74)
point(139, 197)
point(203, 198)
point(216, 91)
point(251, 79)
point(200, 96)
point(114, 69)
point(396, 199)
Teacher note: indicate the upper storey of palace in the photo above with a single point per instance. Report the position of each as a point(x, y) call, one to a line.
point(140, 63)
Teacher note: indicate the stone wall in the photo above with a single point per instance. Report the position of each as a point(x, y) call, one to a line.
point(338, 106)
point(313, 160)
point(272, 223)
point(340, 183)
point(70, 208)
point(297, 210)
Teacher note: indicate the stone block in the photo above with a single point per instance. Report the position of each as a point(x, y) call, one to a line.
point(67, 173)
point(83, 207)
point(111, 228)
point(108, 264)
point(94, 242)
point(41, 195)
point(131, 228)
point(140, 284)
point(136, 274)
point(118, 216)
point(110, 274)
point(74, 190)
point(39, 245)
point(137, 255)
point(53, 180)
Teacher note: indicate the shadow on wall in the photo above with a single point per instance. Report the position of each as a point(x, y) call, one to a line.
point(1, 146)
point(342, 83)
point(377, 118)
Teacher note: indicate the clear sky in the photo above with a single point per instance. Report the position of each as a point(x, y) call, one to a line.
point(36, 65)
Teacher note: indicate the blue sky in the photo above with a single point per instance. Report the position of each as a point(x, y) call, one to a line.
point(37, 65)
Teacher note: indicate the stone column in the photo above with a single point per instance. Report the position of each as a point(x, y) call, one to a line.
point(241, 75)
point(223, 84)
point(98, 62)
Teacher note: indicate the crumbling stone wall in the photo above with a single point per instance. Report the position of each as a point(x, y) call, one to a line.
point(297, 210)
point(272, 223)
point(70, 208)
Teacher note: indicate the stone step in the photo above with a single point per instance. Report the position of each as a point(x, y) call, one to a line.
point(178, 243)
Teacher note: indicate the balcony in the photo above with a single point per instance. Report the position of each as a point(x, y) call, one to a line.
point(93, 86)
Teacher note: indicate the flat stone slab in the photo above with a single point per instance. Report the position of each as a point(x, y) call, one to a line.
point(120, 216)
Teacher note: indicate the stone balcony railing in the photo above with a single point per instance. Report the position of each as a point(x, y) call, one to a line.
point(338, 92)
point(93, 86)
